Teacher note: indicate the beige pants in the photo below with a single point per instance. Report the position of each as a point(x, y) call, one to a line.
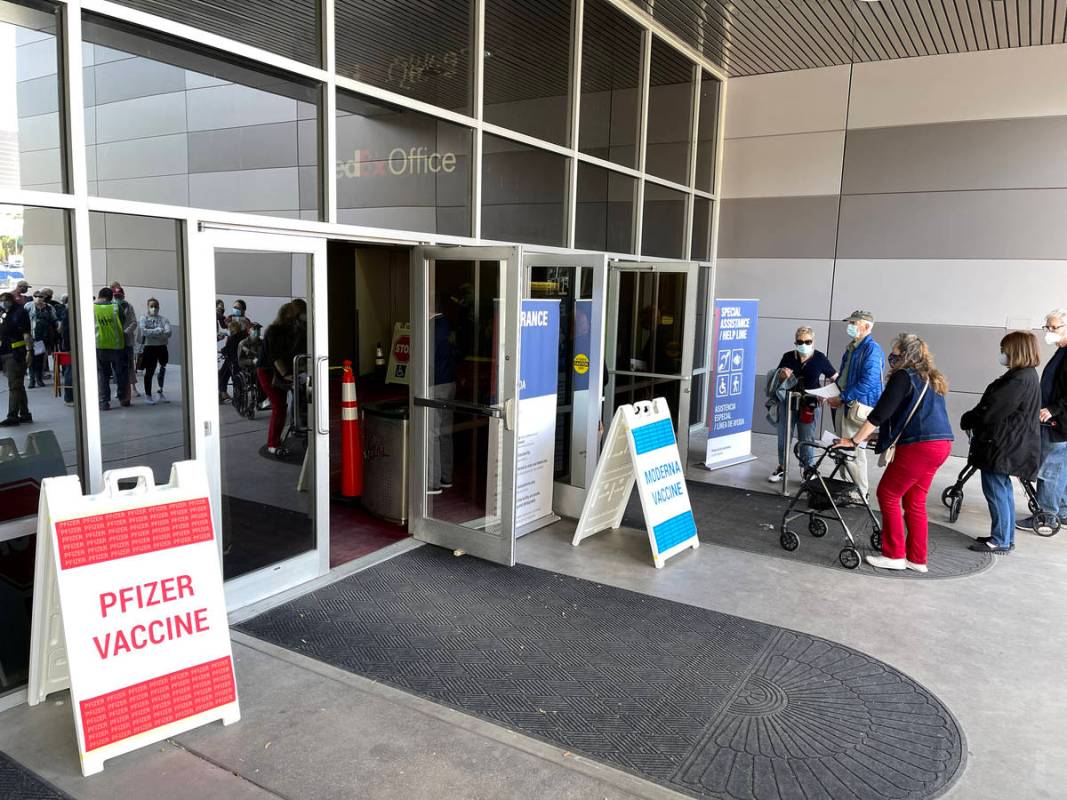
point(846, 429)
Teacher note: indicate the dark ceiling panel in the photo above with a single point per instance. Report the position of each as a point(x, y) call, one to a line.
point(752, 37)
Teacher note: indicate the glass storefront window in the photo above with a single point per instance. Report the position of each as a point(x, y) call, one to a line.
point(701, 247)
point(605, 211)
point(670, 99)
point(663, 222)
point(289, 29)
point(527, 66)
point(523, 191)
point(611, 74)
point(398, 168)
point(707, 131)
point(417, 49)
point(39, 438)
point(31, 155)
point(168, 124)
point(143, 420)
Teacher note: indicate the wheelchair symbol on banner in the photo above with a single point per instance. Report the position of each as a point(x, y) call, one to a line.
point(722, 387)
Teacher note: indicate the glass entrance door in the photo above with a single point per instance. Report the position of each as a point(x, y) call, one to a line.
point(578, 282)
point(650, 337)
point(259, 339)
point(465, 355)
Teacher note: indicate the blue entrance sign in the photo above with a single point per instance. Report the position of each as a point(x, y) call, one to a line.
point(538, 382)
point(733, 382)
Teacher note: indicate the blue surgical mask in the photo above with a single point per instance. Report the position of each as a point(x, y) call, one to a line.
point(852, 330)
point(236, 311)
point(805, 349)
point(1002, 359)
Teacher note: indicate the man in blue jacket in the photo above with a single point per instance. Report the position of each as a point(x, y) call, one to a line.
point(860, 381)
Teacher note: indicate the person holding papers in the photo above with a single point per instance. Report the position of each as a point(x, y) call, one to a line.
point(810, 367)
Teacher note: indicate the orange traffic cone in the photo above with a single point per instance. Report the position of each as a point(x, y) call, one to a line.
point(351, 446)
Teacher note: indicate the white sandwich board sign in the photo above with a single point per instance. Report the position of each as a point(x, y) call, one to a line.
point(641, 448)
point(129, 610)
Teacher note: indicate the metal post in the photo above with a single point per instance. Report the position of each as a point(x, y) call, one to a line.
point(788, 442)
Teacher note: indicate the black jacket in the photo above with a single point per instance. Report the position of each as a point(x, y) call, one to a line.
point(1057, 406)
point(1005, 425)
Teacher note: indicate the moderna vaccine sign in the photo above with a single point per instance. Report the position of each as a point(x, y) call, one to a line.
point(733, 382)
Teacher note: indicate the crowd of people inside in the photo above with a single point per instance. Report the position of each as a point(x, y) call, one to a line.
point(1018, 429)
point(34, 328)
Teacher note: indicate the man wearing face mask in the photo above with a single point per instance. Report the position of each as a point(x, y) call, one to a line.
point(1052, 477)
point(16, 345)
point(153, 336)
point(860, 381)
point(129, 328)
point(809, 366)
point(239, 314)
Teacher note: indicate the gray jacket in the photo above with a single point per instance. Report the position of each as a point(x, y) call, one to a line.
point(777, 393)
point(154, 330)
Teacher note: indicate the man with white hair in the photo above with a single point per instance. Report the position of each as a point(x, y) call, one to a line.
point(1052, 478)
point(860, 381)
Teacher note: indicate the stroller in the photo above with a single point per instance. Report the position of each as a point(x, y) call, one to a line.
point(1045, 522)
point(826, 496)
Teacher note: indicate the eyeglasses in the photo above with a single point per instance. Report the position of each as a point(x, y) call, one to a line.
point(1052, 328)
point(804, 341)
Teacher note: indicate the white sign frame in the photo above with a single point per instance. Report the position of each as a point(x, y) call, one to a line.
point(59, 661)
point(618, 470)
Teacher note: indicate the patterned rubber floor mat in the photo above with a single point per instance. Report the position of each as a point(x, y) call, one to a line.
point(19, 783)
point(705, 703)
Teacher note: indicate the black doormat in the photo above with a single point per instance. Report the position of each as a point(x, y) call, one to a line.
point(256, 535)
point(747, 520)
point(705, 703)
point(19, 783)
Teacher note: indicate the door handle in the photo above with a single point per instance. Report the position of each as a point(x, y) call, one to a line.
point(510, 406)
point(322, 396)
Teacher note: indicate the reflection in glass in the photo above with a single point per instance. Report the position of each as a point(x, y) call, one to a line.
point(605, 211)
point(417, 49)
point(573, 287)
point(707, 131)
point(670, 100)
point(31, 155)
point(527, 63)
point(523, 190)
point(168, 124)
point(611, 73)
point(401, 169)
point(701, 247)
point(39, 438)
point(289, 29)
point(267, 511)
point(144, 423)
point(702, 329)
point(464, 362)
point(663, 225)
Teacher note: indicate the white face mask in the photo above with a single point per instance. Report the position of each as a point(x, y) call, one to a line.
point(805, 349)
point(1052, 337)
point(1002, 359)
point(853, 330)
point(236, 311)
point(152, 311)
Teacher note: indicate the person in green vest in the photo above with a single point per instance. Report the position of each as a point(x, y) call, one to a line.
point(110, 347)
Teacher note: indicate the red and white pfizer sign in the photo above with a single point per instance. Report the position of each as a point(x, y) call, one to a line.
point(144, 614)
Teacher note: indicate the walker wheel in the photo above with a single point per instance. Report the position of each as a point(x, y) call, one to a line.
point(817, 527)
point(876, 541)
point(789, 540)
point(951, 494)
point(849, 558)
point(954, 509)
point(1046, 523)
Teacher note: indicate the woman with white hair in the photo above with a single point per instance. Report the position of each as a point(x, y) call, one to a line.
point(1052, 477)
point(915, 437)
point(810, 367)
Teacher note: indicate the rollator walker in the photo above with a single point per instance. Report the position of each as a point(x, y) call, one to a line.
point(826, 497)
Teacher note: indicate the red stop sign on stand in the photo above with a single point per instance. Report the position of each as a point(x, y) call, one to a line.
point(402, 349)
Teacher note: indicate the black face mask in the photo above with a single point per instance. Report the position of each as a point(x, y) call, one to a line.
point(895, 360)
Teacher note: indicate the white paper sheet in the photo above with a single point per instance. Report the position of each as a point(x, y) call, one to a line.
point(826, 392)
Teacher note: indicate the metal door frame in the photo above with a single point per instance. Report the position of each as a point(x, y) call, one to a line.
point(567, 498)
point(498, 547)
point(689, 269)
point(200, 311)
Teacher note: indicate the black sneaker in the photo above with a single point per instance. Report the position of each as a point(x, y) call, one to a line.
point(9, 422)
point(1025, 524)
point(988, 547)
point(25, 417)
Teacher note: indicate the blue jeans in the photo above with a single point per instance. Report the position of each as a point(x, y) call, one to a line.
point(1052, 478)
point(805, 432)
point(1001, 499)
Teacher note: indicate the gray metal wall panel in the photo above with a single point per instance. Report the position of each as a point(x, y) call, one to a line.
point(778, 227)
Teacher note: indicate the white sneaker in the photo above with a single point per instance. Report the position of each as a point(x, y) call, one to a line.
point(917, 567)
point(434, 492)
point(882, 562)
point(777, 475)
point(162, 397)
point(149, 399)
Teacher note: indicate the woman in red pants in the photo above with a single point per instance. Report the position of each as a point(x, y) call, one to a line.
point(274, 372)
point(912, 421)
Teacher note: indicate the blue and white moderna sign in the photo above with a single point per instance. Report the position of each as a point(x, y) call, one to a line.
point(641, 449)
point(733, 382)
